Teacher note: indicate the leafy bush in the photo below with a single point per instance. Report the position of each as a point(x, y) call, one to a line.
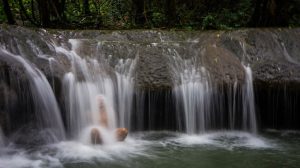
point(158, 19)
point(119, 14)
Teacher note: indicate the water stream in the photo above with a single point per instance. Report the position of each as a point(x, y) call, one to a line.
point(194, 92)
point(45, 104)
point(87, 83)
point(161, 149)
point(249, 114)
point(197, 94)
point(216, 125)
point(1, 138)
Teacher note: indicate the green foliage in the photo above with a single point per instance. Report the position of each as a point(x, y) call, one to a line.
point(2, 14)
point(295, 10)
point(209, 21)
point(188, 18)
point(120, 14)
point(158, 19)
point(294, 22)
point(229, 18)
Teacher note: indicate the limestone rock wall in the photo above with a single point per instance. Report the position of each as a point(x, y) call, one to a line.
point(273, 54)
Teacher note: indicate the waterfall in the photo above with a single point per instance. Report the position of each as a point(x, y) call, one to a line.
point(206, 107)
point(232, 104)
point(45, 105)
point(125, 88)
point(249, 115)
point(91, 80)
point(194, 91)
point(1, 137)
point(82, 88)
point(103, 68)
point(248, 102)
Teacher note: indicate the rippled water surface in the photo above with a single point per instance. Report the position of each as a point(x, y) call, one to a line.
point(165, 149)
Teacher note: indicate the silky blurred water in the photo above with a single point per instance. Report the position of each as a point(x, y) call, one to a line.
point(165, 149)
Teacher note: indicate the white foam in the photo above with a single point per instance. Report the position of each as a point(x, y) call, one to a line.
point(19, 161)
point(108, 135)
point(55, 155)
point(11, 157)
point(72, 150)
point(227, 140)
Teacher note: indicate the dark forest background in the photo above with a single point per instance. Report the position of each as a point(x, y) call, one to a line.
point(131, 14)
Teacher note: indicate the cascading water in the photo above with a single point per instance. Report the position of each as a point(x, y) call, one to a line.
point(81, 87)
point(46, 108)
point(90, 81)
point(248, 102)
point(249, 115)
point(88, 78)
point(1, 138)
point(204, 106)
point(232, 104)
point(125, 88)
point(194, 91)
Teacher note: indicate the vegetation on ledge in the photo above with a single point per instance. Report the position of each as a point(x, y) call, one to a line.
point(130, 14)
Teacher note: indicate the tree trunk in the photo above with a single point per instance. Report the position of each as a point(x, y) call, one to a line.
point(25, 16)
point(86, 7)
point(171, 12)
point(138, 7)
point(8, 13)
point(268, 13)
point(61, 7)
point(44, 12)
